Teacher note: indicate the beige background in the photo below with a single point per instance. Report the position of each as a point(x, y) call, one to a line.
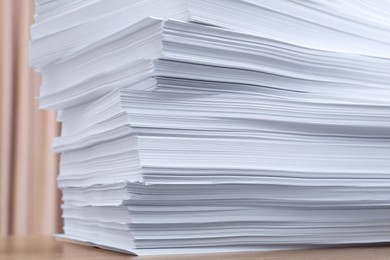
point(29, 199)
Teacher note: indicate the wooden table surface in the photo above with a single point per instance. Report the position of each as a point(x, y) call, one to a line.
point(45, 248)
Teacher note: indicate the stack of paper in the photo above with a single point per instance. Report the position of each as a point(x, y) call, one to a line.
point(220, 125)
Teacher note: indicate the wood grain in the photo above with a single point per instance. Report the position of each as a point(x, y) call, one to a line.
point(45, 248)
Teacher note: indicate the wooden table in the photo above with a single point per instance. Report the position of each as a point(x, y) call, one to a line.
point(46, 248)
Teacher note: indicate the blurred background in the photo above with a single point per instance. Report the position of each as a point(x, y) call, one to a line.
point(29, 199)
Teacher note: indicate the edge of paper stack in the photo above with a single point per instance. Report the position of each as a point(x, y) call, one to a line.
point(202, 126)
